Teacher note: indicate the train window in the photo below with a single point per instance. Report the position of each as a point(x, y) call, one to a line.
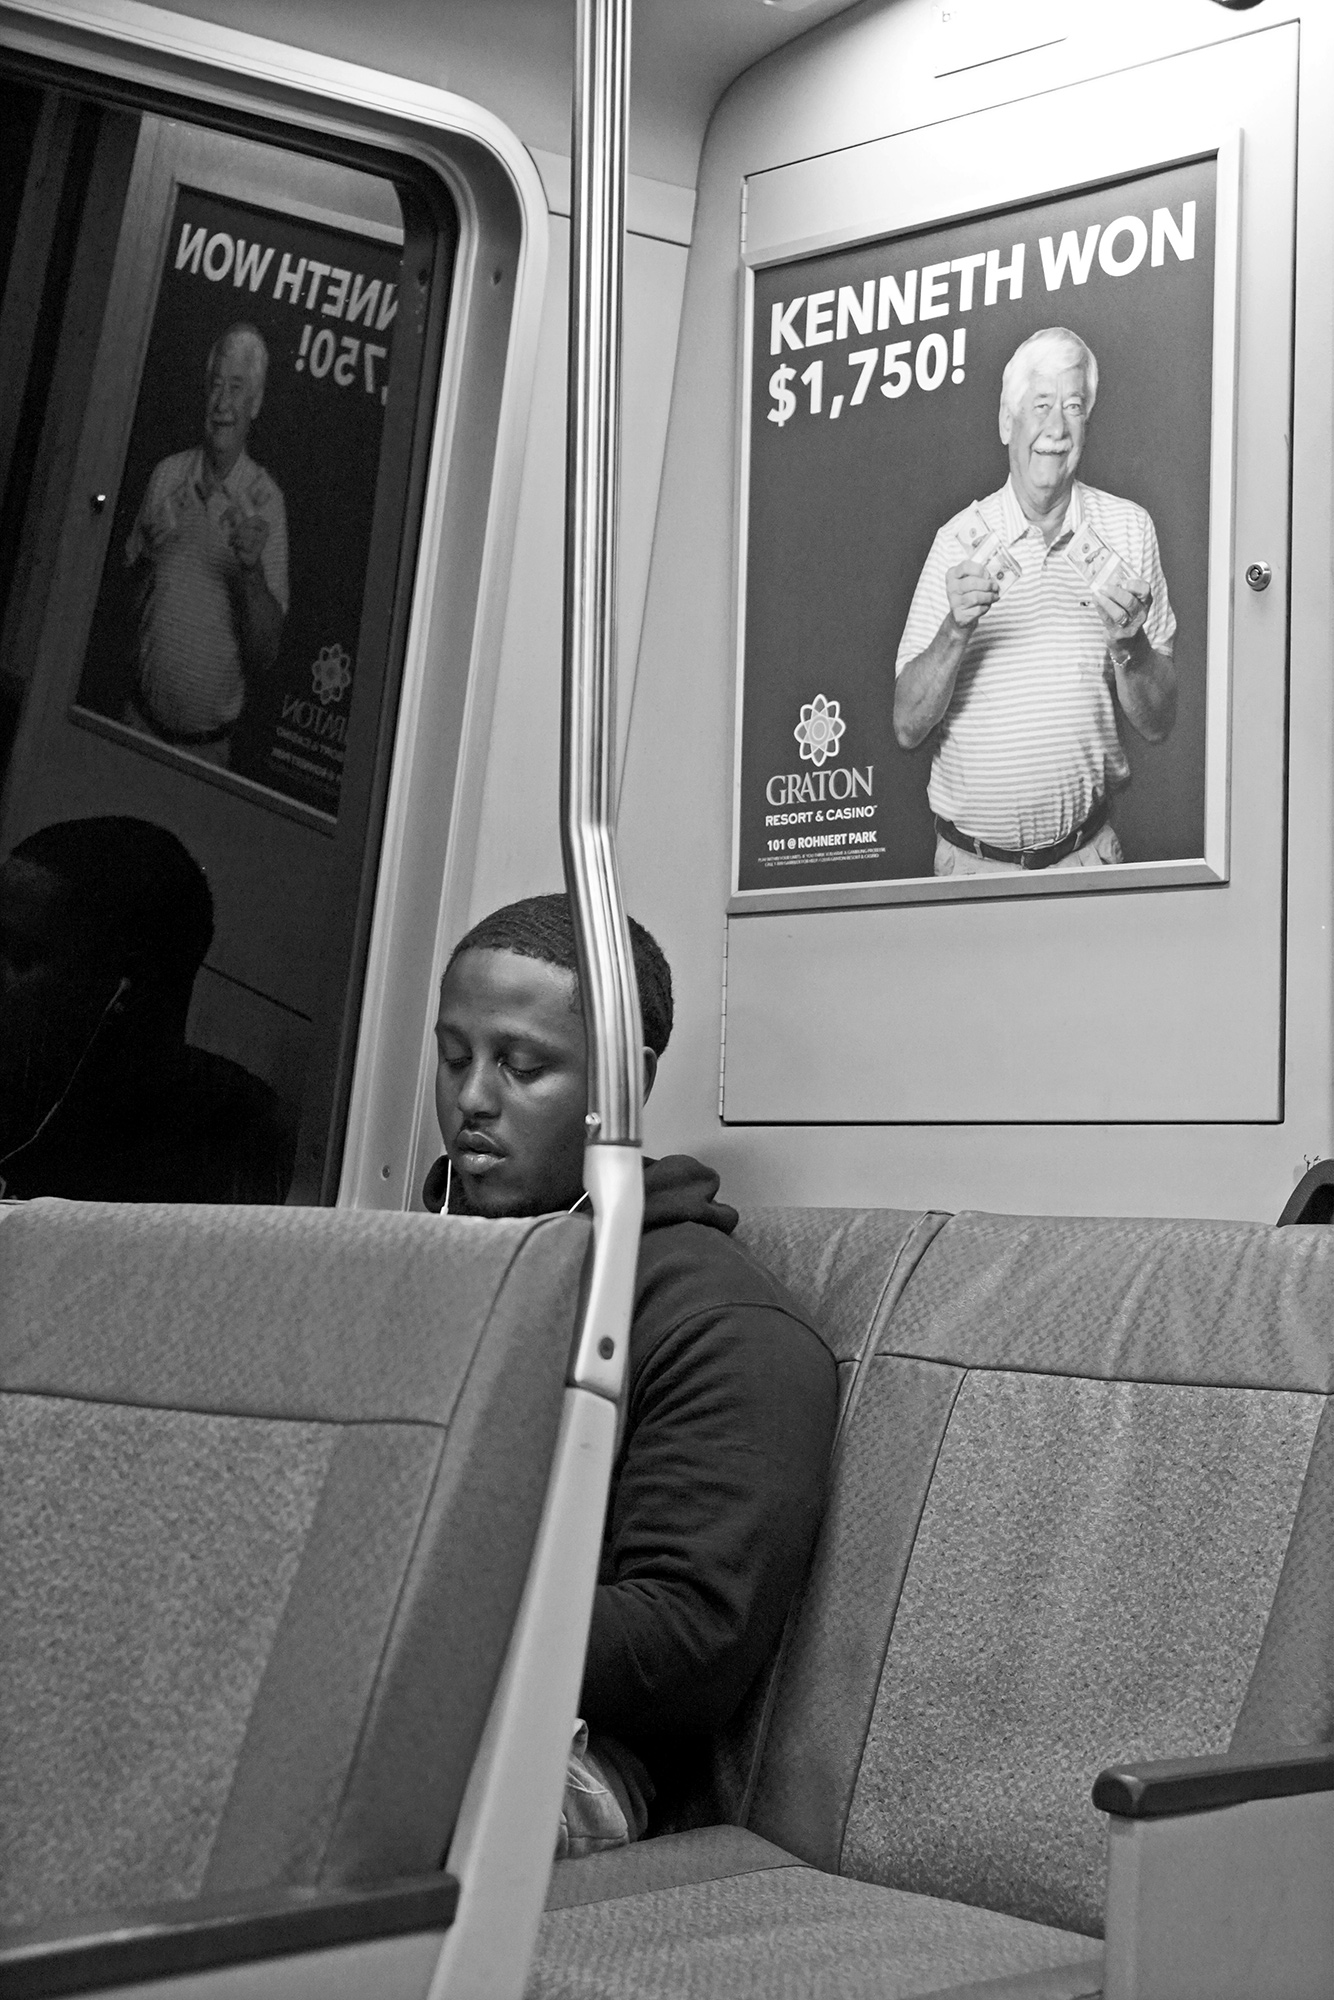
point(218, 352)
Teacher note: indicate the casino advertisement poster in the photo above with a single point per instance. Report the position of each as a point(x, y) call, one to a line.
point(324, 302)
point(870, 419)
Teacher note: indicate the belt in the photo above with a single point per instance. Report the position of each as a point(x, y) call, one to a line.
point(1026, 857)
point(181, 739)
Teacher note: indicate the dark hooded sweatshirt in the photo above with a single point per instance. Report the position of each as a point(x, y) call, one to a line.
point(718, 1483)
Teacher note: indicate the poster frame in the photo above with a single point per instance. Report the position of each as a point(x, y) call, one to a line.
point(883, 207)
point(229, 185)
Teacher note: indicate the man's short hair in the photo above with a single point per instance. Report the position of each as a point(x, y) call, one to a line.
point(542, 927)
point(249, 343)
point(1023, 364)
point(134, 895)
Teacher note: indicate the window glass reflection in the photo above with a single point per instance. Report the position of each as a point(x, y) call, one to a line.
point(104, 925)
point(211, 471)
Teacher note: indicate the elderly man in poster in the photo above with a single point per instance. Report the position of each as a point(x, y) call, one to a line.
point(1040, 613)
point(209, 546)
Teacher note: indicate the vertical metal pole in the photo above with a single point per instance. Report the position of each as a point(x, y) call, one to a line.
point(588, 711)
point(503, 1839)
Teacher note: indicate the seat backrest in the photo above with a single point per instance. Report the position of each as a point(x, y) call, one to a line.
point(844, 1268)
point(1080, 1459)
point(271, 1479)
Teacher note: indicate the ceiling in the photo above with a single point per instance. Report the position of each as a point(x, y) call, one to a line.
point(515, 56)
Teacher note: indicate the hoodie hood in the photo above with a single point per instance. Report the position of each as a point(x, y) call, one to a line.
point(677, 1189)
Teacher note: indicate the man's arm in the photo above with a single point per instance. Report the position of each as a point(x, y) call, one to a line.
point(139, 543)
point(1146, 681)
point(259, 615)
point(716, 1506)
point(924, 689)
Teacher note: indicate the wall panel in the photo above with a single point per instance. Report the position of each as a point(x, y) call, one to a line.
point(851, 84)
point(1146, 1006)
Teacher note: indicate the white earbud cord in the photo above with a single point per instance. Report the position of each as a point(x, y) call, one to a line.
point(113, 1006)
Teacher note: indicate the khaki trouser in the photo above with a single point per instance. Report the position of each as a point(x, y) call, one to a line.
point(603, 1806)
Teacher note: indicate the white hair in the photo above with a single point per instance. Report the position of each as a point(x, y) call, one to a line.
point(249, 344)
point(1028, 357)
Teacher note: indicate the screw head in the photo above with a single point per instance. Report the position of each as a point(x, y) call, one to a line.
point(606, 1347)
point(1259, 575)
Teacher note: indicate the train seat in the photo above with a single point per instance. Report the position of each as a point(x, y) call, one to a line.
point(272, 1479)
point(1080, 1515)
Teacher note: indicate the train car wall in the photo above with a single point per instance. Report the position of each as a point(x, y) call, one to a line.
point(861, 76)
point(814, 1109)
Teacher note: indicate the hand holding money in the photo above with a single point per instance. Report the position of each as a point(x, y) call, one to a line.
point(1120, 598)
point(1124, 605)
point(974, 585)
point(971, 592)
point(247, 535)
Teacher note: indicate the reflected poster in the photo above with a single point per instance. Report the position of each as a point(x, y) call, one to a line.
point(976, 550)
point(227, 622)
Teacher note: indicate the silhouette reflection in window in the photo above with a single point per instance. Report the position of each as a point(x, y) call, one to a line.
point(104, 924)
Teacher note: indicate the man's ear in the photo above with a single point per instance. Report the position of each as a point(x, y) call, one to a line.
point(1006, 423)
point(650, 1071)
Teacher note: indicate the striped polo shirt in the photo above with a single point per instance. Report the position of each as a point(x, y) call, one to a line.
point(1029, 743)
point(191, 677)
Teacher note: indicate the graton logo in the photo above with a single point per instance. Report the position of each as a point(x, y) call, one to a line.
point(820, 730)
point(331, 674)
point(787, 788)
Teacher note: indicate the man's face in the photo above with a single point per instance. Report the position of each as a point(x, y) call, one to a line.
point(1045, 433)
point(511, 1089)
point(229, 407)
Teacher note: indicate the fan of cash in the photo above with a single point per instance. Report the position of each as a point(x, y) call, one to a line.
point(984, 546)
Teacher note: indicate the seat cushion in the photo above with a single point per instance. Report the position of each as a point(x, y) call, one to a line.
point(723, 1913)
point(672, 1861)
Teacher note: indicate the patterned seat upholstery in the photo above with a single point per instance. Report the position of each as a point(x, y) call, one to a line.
point(1080, 1513)
point(270, 1481)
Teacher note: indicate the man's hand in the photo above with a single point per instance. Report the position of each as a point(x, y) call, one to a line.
point(923, 690)
point(1124, 606)
point(259, 616)
point(247, 535)
point(1146, 682)
point(971, 594)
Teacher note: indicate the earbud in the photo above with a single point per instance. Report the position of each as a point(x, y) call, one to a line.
point(116, 1005)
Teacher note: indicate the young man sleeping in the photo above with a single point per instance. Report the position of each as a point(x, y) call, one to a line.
point(719, 1477)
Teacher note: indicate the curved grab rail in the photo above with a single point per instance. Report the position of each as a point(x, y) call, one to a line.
point(588, 730)
point(588, 706)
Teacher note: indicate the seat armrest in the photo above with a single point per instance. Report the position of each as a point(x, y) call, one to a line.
point(1220, 1877)
point(1312, 1200)
point(201, 1936)
point(1203, 1784)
